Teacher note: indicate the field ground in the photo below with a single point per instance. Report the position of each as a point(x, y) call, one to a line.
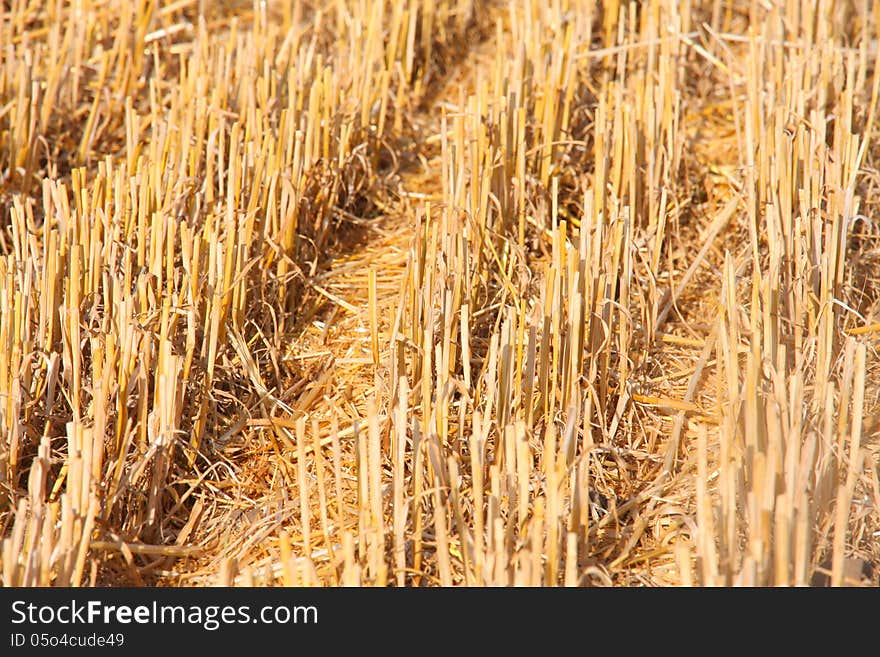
point(439, 292)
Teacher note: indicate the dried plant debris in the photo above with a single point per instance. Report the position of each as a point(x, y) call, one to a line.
point(439, 292)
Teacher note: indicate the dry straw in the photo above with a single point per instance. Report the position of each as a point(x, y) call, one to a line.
point(438, 292)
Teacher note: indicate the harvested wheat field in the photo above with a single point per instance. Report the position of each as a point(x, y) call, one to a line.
point(439, 292)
